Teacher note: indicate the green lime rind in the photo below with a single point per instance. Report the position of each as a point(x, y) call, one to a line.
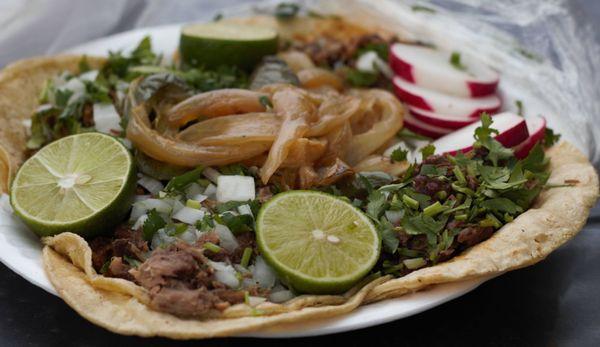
point(109, 190)
point(284, 234)
point(210, 51)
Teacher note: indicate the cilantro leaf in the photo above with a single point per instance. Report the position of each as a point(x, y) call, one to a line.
point(550, 138)
point(501, 205)
point(427, 151)
point(455, 61)
point(483, 137)
point(377, 204)
point(152, 225)
point(178, 183)
point(236, 223)
point(357, 78)
point(286, 10)
point(389, 239)
point(399, 154)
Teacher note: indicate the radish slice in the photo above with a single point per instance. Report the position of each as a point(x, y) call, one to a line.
point(431, 68)
point(444, 104)
point(424, 129)
point(512, 130)
point(536, 126)
point(441, 120)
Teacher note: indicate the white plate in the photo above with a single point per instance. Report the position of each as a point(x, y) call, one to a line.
point(20, 249)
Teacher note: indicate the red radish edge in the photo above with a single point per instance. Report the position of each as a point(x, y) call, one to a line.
point(420, 101)
point(511, 127)
point(441, 120)
point(411, 99)
point(424, 128)
point(536, 126)
point(464, 86)
point(482, 89)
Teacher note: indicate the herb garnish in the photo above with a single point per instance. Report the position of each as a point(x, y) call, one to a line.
point(455, 61)
point(286, 10)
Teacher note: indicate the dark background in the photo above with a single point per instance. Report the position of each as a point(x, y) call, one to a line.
point(554, 303)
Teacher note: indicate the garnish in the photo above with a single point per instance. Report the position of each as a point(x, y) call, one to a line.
point(519, 104)
point(152, 224)
point(399, 154)
point(455, 61)
point(421, 8)
point(550, 138)
point(286, 10)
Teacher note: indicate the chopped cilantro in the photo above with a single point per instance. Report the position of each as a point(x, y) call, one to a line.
point(550, 138)
point(178, 183)
point(455, 61)
point(152, 224)
point(519, 104)
point(427, 151)
point(357, 78)
point(399, 154)
point(286, 10)
point(266, 102)
point(421, 8)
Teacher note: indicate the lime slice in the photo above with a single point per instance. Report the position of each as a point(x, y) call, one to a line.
point(214, 44)
point(317, 242)
point(82, 183)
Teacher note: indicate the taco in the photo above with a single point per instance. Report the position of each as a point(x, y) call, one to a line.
point(218, 148)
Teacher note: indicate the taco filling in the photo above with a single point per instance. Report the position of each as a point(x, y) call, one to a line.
point(275, 182)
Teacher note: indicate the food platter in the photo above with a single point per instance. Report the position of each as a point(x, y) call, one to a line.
point(20, 249)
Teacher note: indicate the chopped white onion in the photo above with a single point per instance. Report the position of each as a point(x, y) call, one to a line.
point(245, 209)
point(281, 296)
point(89, 75)
point(177, 206)
point(225, 274)
point(256, 300)
point(394, 216)
point(211, 174)
point(210, 191)
point(199, 197)
point(139, 198)
point(190, 235)
point(235, 188)
point(188, 215)
point(161, 239)
point(366, 62)
point(383, 67)
point(26, 123)
point(106, 118)
point(140, 222)
point(150, 184)
point(193, 190)
point(76, 87)
point(263, 274)
point(226, 238)
point(141, 207)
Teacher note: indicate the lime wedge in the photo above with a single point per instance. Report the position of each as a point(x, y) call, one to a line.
point(82, 183)
point(214, 44)
point(317, 242)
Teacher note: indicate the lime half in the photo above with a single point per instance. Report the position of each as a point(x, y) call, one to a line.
point(82, 183)
point(214, 44)
point(317, 242)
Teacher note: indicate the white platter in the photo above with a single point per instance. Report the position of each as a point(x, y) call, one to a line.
point(20, 249)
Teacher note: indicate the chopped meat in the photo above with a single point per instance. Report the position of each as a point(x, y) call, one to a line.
point(117, 268)
point(472, 183)
point(418, 243)
point(264, 194)
point(470, 236)
point(430, 185)
point(87, 115)
point(438, 161)
point(126, 242)
point(180, 282)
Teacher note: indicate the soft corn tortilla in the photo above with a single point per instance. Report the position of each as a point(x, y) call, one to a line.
point(119, 305)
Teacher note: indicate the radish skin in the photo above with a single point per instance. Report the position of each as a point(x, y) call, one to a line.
point(424, 129)
point(512, 130)
point(536, 126)
point(431, 68)
point(441, 120)
point(433, 101)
